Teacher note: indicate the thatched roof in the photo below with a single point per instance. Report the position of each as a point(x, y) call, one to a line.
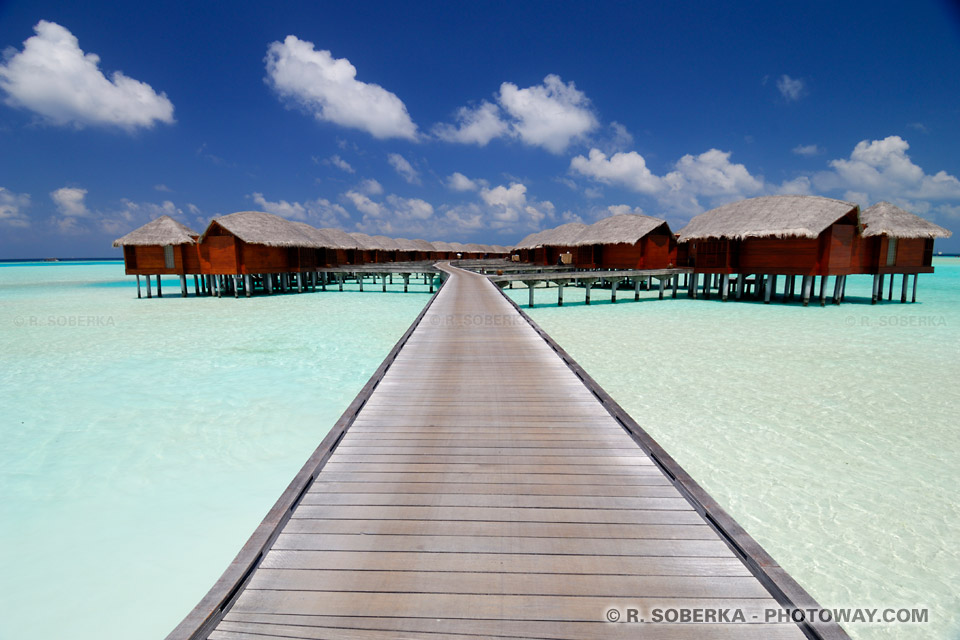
point(343, 239)
point(533, 240)
point(458, 247)
point(259, 227)
point(406, 245)
point(366, 242)
point(423, 245)
point(566, 235)
point(473, 247)
point(319, 236)
point(885, 219)
point(441, 245)
point(388, 243)
point(626, 228)
point(777, 216)
point(163, 231)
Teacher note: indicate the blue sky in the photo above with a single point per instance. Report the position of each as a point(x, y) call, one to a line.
point(478, 121)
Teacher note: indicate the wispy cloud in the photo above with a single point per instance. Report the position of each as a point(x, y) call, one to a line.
point(792, 89)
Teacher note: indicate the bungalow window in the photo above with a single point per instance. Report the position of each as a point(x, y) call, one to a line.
point(891, 252)
point(168, 256)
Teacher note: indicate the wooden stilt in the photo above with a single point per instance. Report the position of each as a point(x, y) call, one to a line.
point(914, 298)
point(183, 285)
point(903, 288)
point(236, 286)
point(835, 299)
point(893, 277)
point(706, 285)
point(299, 276)
point(676, 283)
point(725, 287)
point(741, 283)
point(138, 286)
point(636, 289)
point(360, 280)
point(588, 285)
point(431, 282)
point(383, 281)
point(159, 290)
point(406, 282)
point(876, 287)
point(323, 280)
point(843, 289)
point(340, 280)
point(247, 285)
point(661, 288)
point(530, 286)
point(560, 294)
point(768, 289)
point(613, 289)
point(649, 283)
point(694, 281)
point(823, 291)
point(149, 291)
point(196, 285)
point(806, 285)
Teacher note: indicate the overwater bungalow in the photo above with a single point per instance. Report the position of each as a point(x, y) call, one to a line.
point(526, 249)
point(627, 241)
point(895, 241)
point(369, 249)
point(255, 243)
point(344, 251)
point(424, 249)
point(771, 236)
point(160, 247)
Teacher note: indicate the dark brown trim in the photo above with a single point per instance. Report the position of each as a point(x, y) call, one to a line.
point(200, 622)
point(784, 589)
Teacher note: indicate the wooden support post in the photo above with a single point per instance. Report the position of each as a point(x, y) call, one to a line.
point(268, 282)
point(661, 288)
point(806, 285)
point(149, 291)
point(236, 286)
point(560, 293)
point(636, 288)
point(138, 286)
point(914, 298)
point(843, 289)
point(613, 289)
point(649, 283)
point(360, 280)
point(676, 283)
point(530, 286)
point(218, 285)
point(323, 280)
point(183, 285)
point(196, 285)
point(431, 282)
point(903, 288)
point(893, 277)
point(741, 283)
point(340, 280)
point(406, 282)
point(588, 285)
point(880, 289)
point(694, 281)
point(725, 286)
point(383, 281)
point(876, 288)
point(159, 290)
point(706, 285)
point(823, 291)
point(299, 275)
point(247, 285)
point(836, 290)
point(768, 289)
point(391, 278)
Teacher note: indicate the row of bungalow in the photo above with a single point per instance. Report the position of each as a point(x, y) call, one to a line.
point(751, 243)
point(254, 249)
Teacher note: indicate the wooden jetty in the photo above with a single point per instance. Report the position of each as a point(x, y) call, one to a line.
point(482, 485)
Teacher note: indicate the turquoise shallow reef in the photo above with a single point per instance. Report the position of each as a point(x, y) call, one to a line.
point(143, 440)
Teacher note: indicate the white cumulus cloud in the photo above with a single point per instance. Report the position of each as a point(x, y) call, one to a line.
point(403, 168)
point(621, 169)
point(340, 163)
point(509, 207)
point(792, 89)
point(551, 115)
point(807, 150)
point(459, 182)
point(328, 88)
point(70, 201)
point(320, 212)
point(478, 125)
point(13, 208)
point(882, 170)
point(54, 78)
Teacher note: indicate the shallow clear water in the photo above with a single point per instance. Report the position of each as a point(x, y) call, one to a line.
point(830, 433)
point(144, 440)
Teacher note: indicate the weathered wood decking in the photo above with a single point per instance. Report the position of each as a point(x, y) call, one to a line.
point(483, 486)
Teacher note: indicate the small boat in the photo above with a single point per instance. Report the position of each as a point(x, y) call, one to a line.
point(51, 259)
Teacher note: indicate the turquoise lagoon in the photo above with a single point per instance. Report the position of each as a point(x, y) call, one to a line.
point(831, 434)
point(143, 440)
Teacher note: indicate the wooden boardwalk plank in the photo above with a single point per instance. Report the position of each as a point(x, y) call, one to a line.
point(484, 491)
